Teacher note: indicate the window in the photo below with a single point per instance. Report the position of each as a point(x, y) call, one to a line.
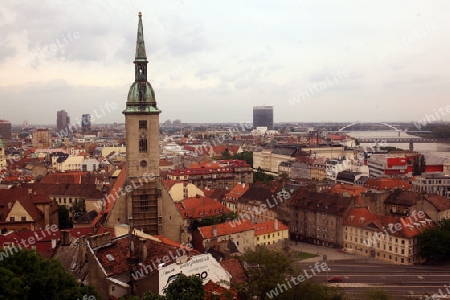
point(143, 144)
point(12, 219)
point(23, 219)
point(144, 202)
point(142, 124)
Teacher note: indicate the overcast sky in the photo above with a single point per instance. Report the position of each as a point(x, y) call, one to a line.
point(212, 61)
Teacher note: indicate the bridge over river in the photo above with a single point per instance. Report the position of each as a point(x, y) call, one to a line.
point(397, 140)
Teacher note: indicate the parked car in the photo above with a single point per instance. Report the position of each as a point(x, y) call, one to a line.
point(335, 279)
point(347, 251)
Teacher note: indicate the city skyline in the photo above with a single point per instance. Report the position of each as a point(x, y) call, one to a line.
point(314, 61)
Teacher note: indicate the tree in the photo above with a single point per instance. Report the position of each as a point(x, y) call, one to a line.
point(226, 154)
point(416, 167)
point(27, 275)
point(422, 164)
point(261, 176)
point(78, 208)
point(309, 290)
point(375, 294)
point(266, 269)
point(246, 155)
point(284, 175)
point(63, 217)
point(434, 243)
point(151, 296)
point(212, 220)
point(185, 288)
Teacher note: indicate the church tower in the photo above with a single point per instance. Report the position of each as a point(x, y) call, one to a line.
point(142, 138)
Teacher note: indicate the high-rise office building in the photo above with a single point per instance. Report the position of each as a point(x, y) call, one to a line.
point(86, 123)
point(263, 117)
point(5, 130)
point(41, 138)
point(62, 121)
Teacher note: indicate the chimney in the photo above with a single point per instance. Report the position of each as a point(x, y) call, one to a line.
point(243, 185)
point(30, 191)
point(275, 225)
point(9, 205)
point(143, 250)
point(214, 230)
point(47, 214)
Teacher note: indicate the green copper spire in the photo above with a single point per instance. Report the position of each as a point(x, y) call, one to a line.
point(141, 97)
point(140, 45)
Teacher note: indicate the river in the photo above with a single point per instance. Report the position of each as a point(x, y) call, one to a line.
point(419, 147)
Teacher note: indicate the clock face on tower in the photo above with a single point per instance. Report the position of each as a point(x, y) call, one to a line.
point(143, 163)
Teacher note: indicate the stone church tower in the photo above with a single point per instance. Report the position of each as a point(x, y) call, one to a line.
point(142, 137)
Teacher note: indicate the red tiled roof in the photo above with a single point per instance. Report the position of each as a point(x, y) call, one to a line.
point(440, 202)
point(42, 241)
point(268, 227)
point(386, 184)
point(119, 183)
point(409, 226)
point(26, 199)
point(102, 229)
point(89, 191)
point(213, 289)
point(170, 183)
point(165, 163)
point(237, 191)
point(226, 228)
point(66, 177)
point(119, 250)
point(353, 190)
point(222, 166)
point(200, 207)
point(234, 267)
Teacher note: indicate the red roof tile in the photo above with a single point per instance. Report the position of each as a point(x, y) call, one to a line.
point(212, 290)
point(234, 267)
point(440, 202)
point(237, 191)
point(409, 227)
point(268, 227)
point(226, 228)
point(386, 184)
point(119, 183)
point(200, 207)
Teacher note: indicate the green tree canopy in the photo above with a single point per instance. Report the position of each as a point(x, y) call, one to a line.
point(63, 217)
point(27, 275)
point(212, 220)
point(375, 294)
point(434, 243)
point(185, 288)
point(265, 269)
point(261, 176)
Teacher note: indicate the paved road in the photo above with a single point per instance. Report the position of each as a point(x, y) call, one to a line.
point(408, 281)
